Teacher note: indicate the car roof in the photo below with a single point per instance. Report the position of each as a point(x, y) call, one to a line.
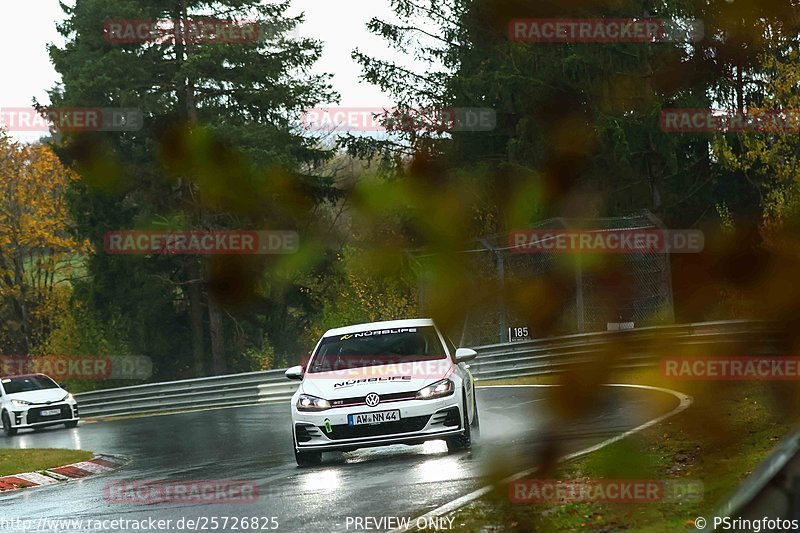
point(24, 376)
point(387, 324)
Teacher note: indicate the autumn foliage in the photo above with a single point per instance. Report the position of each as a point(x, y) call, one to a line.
point(36, 248)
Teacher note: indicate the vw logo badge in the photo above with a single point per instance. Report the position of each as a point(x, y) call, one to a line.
point(373, 399)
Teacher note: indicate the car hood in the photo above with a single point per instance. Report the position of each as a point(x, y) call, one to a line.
point(43, 396)
point(379, 379)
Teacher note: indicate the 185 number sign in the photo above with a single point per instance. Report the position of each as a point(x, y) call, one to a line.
point(518, 334)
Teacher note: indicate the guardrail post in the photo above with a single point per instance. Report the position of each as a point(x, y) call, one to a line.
point(501, 276)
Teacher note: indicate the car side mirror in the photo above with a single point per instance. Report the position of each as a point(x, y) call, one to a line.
point(63, 386)
point(465, 354)
point(295, 372)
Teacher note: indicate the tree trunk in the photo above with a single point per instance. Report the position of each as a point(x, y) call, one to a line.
point(196, 271)
point(653, 175)
point(217, 330)
point(215, 321)
point(19, 280)
point(196, 317)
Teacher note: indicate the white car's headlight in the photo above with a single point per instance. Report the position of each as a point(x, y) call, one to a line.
point(67, 398)
point(306, 402)
point(20, 403)
point(439, 389)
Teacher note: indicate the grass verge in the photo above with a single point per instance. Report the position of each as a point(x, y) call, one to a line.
point(14, 461)
point(718, 441)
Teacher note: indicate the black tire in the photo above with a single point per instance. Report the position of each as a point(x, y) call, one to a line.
point(305, 459)
point(71, 424)
point(463, 441)
point(10, 432)
point(476, 423)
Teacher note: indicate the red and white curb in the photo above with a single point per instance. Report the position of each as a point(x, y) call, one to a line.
point(99, 464)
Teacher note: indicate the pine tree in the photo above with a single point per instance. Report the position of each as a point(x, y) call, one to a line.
point(217, 149)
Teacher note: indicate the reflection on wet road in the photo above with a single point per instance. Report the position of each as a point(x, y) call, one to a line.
point(254, 444)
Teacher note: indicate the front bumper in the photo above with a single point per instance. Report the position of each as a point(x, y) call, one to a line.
point(420, 420)
point(30, 416)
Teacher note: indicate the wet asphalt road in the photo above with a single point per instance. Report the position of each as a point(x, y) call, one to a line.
point(254, 444)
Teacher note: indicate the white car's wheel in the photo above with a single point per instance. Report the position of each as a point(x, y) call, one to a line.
point(10, 431)
point(463, 441)
point(308, 458)
point(476, 423)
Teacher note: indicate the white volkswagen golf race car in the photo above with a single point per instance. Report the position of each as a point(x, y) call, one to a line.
point(397, 382)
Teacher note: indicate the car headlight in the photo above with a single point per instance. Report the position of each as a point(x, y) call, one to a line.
point(67, 398)
point(306, 402)
point(439, 389)
point(20, 403)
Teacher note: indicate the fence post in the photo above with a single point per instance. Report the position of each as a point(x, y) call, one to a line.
point(501, 277)
point(579, 305)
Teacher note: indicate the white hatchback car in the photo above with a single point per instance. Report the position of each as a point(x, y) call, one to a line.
point(397, 382)
point(35, 401)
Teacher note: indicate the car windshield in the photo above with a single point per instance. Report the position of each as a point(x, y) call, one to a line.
point(377, 347)
point(27, 384)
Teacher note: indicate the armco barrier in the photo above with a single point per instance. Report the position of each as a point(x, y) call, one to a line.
point(549, 356)
point(186, 395)
point(771, 492)
point(498, 361)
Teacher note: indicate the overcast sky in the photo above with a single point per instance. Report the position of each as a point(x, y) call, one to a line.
point(27, 27)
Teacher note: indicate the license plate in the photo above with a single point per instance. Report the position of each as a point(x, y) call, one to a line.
point(50, 412)
point(373, 418)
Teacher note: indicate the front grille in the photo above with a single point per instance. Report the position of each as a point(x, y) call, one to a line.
point(362, 400)
point(35, 416)
point(405, 425)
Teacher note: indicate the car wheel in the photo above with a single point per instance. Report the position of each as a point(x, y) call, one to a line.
point(307, 458)
point(71, 424)
point(463, 441)
point(476, 423)
point(7, 425)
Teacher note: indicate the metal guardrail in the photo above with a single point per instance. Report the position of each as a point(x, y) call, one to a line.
point(497, 361)
point(642, 347)
point(234, 390)
point(771, 491)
